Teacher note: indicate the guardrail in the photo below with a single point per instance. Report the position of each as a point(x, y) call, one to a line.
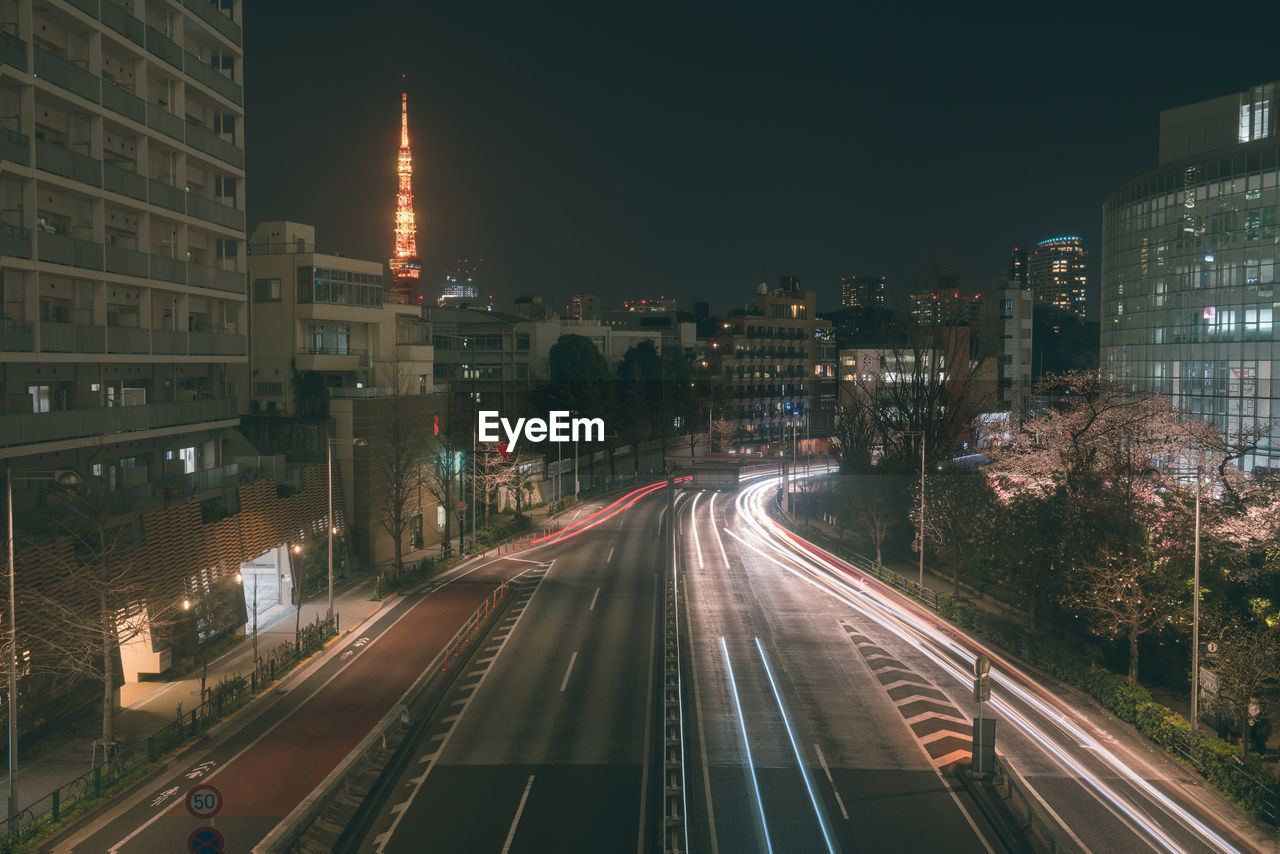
point(120, 763)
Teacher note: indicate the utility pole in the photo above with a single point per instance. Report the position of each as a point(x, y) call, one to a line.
point(922, 441)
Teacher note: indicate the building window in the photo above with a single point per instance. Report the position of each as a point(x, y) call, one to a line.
point(266, 290)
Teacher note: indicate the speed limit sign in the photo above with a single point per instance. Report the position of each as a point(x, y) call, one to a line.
point(204, 801)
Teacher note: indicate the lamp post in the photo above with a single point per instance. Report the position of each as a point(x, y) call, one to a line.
point(355, 443)
point(63, 478)
point(922, 435)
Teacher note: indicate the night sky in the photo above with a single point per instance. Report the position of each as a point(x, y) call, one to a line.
point(697, 151)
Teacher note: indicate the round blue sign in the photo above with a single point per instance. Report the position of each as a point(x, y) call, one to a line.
point(205, 840)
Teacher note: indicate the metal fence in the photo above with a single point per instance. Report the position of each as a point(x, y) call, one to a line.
point(121, 762)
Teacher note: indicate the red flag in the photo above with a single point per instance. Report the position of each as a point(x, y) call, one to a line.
point(502, 449)
point(435, 424)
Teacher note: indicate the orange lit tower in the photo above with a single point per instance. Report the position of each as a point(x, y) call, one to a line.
point(405, 269)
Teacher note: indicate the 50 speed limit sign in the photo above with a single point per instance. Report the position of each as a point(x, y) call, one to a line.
point(204, 801)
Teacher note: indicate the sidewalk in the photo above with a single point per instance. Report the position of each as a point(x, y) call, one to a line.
point(147, 706)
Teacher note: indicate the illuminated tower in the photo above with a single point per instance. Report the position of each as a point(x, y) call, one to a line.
point(405, 268)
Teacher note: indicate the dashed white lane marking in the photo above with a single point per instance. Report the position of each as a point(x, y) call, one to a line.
point(511, 834)
point(572, 659)
point(822, 760)
point(610, 557)
point(592, 606)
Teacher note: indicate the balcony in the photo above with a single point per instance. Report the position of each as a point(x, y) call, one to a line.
point(167, 342)
point(121, 339)
point(123, 22)
point(162, 46)
point(168, 269)
point(207, 209)
point(15, 241)
point(215, 277)
point(13, 51)
point(207, 12)
point(124, 102)
point(16, 336)
point(58, 160)
point(71, 251)
point(158, 118)
point(126, 262)
point(67, 75)
point(71, 338)
point(166, 196)
point(330, 359)
point(34, 428)
point(217, 344)
point(204, 73)
point(124, 182)
point(212, 144)
point(15, 147)
point(89, 7)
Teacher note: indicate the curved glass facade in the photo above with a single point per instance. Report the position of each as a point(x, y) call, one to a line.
point(1189, 303)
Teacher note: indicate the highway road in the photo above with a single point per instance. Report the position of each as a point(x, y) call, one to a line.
point(797, 743)
point(1110, 790)
point(549, 745)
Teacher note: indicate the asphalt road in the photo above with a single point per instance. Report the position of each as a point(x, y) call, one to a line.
point(544, 747)
point(1110, 790)
point(794, 743)
point(265, 767)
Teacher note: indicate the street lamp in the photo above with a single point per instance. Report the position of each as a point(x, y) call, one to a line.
point(356, 443)
point(922, 435)
point(62, 478)
point(1195, 592)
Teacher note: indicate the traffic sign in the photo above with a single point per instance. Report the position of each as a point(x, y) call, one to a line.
point(204, 801)
point(206, 840)
point(981, 689)
point(981, 666)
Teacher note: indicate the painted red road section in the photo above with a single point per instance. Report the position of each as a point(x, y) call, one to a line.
point(275, 774)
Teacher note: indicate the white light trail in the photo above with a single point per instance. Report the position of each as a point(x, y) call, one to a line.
point(746, 743)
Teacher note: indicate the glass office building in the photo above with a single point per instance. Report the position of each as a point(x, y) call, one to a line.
point(1189, 265)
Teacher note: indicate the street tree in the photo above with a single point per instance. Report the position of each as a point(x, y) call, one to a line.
point(104, 600)
point(398, 448)
point(723, 432)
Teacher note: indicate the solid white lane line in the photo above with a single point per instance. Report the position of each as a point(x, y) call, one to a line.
point(746, 744)
point(795, 748)
point(702, 739)
point(716, 531)
point(511, 834)
point(610, 557)
point(822, 760)
point(592, 606)
point(693, 518)
point(572, 659)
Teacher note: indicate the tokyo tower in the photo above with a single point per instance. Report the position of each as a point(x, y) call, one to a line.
point(405, 269)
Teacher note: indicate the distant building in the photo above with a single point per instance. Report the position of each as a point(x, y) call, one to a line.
point(1019, 268)
point(862, 292)
point(1056, 275)
point(675, 336)
point(1006, 333)
point(1190, 259)
point(948, 303)
point(650, 304)
point(773, 368)
point(585, 306)
point(322, 324)
point(532, 308)
point(459, 284)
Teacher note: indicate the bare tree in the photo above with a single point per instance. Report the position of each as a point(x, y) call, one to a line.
point(723, 432)
point(104, 600)
point(520, 478)
point(879, 511)
point(440, 473)
point(490, 473)
point(399, 450)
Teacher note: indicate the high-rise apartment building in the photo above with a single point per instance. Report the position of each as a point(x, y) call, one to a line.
point(124, 312)
point(122, 235)
point(1190, 255)
point(1019, 272)
point(773, 368)
point(459, 285)
point(862, 291)
point(1056, 274)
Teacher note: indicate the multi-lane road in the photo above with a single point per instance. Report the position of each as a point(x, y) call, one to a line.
point(819, 712)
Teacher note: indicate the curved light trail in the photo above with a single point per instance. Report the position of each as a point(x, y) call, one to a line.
point(1055, 725)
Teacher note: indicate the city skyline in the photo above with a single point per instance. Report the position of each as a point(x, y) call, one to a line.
point(579, 153)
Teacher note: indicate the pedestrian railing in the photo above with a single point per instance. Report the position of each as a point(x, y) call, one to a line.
point(120, 762)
